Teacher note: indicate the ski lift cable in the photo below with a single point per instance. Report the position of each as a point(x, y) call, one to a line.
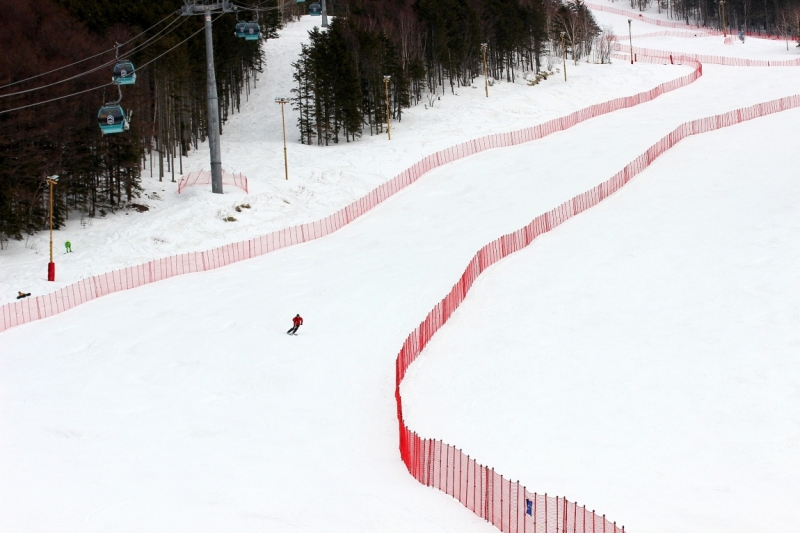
point(257, 9)
point(177, 45)
point(55, 99)
point(142, 46)
point(250, 7)
point(104, 85)
point(86, 58)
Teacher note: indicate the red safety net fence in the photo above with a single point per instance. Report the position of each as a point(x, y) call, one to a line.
point(679, 57)
point(505, 503)
point(670, 24)
point(203, 177)
point(24, 311)
point(665, 33)
point(508, 504)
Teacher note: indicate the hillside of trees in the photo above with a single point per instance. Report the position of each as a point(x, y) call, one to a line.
point(98, 173)
point(775, 17)
point(427, 47)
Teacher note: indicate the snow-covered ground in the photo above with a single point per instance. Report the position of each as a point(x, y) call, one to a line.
point(752, 48)
point(321, 179)
point(638, 359)
point(643, 357)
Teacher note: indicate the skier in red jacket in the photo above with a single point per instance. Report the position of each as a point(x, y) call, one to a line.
point(297, 321)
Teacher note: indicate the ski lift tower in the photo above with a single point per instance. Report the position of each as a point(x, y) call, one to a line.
point(207, 9)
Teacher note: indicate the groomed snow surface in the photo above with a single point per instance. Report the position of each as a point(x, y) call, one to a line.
point(643, 357)
point(640, 359)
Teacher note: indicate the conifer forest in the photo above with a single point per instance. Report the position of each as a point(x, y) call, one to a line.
point(99, 173)
point(58, 52)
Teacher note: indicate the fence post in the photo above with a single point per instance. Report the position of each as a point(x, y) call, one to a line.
point(501, 503)
point(558, 520)
point(575, 518)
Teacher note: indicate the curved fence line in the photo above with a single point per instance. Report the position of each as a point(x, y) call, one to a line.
point(665, 33)
point(670, 24)
point(680, 57)
point(507, 504)
point(24, 311)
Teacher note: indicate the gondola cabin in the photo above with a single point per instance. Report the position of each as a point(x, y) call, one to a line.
point(112, 119)
point(301, 1)
point(252, 31)
point(239, 29)
point(124, 73)
point(314, 9)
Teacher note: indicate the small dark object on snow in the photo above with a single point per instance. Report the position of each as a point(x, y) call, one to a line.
point(140, 208)
point(21, 295)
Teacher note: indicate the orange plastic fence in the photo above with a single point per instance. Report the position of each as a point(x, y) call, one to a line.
point(680, 57)
point(508, 504)
point(24, 311)
point(665, 33)
point(203, 177)
point(670, 24)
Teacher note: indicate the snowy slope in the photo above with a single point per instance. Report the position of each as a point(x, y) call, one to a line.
point(643, 356)
point(322, 180)
point(183, 405)
point(187, 400)
point(752, 48)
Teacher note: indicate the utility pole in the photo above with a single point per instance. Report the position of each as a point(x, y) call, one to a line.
point(324, 15)
point(283, 101)
point(630, 39)
point(564, 56)
point(51, 266)
point(484, 47)
point(207, 9)
point(388, 117)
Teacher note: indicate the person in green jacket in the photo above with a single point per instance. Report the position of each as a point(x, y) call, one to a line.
point(68, 246)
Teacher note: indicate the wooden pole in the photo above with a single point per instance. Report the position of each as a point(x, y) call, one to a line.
point(484, 47)
point(51, 266)
point(285, 156)
point(630, 39)
point(564, 56)
point(51, 219)
point(388, 117)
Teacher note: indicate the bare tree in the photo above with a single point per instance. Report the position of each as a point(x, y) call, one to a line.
point(747, 8)
point(784, 25)
point(603, 45)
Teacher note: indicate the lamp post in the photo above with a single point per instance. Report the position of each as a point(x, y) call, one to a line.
point(283, 101)
point(388, 117)
point(564, 56)
point(630, 39)
point(484, 47)
point(51, 266)
point(724, 20)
